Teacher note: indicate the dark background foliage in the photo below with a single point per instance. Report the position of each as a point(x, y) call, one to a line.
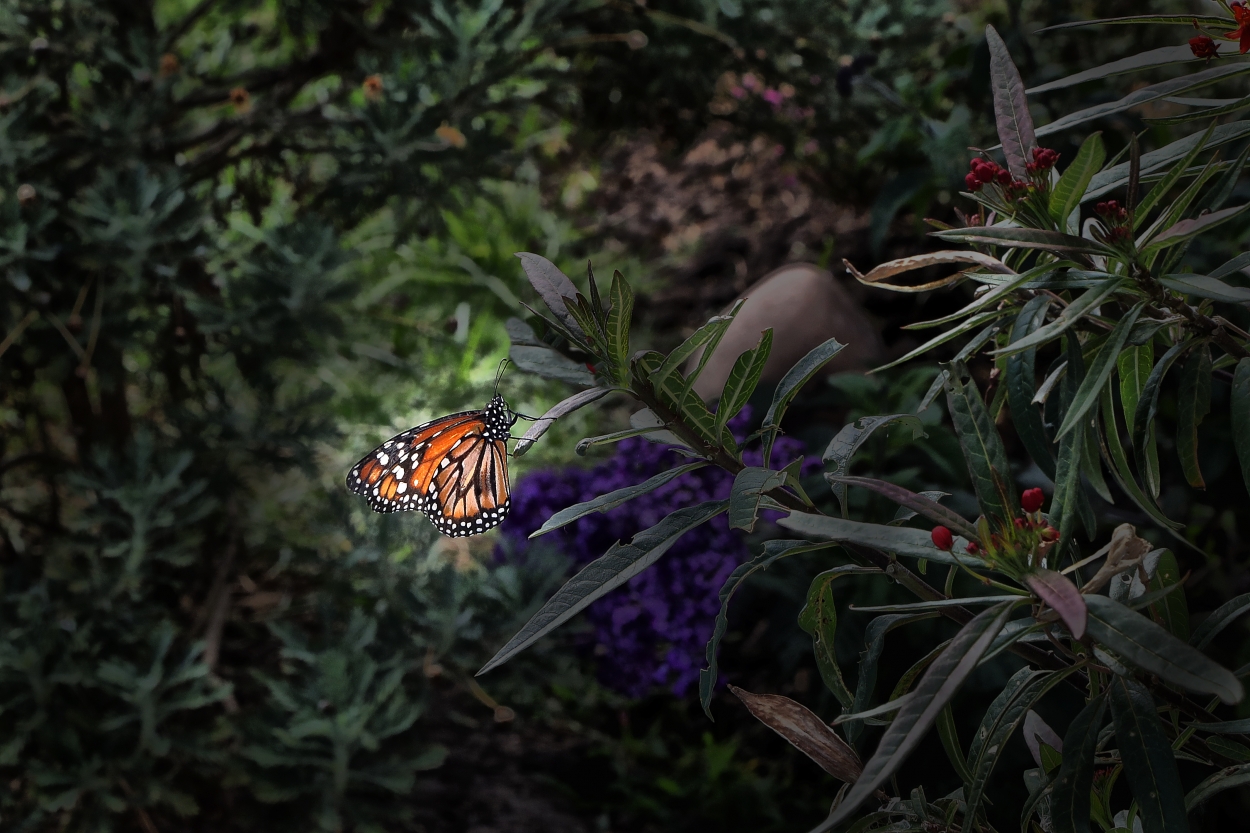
point(242, 241)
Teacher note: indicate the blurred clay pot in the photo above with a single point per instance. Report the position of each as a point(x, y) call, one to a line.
point(806, 306)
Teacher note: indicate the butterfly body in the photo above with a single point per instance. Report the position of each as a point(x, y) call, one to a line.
point(454, 469)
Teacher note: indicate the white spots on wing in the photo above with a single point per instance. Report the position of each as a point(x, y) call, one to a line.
point(401, 488)
point(383, 459)
point(398, 471)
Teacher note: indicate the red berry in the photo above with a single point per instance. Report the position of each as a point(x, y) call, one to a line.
point(1032, 500)
point(942, 538)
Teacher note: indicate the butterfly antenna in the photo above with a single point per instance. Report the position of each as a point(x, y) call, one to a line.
point(503, 365)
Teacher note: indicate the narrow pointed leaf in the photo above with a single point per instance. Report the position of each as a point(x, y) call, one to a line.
point(773, 551)
point(548, 419)
point(912, 543)
point(1202, 286)
point(620, 318)
point(1220, 618)
point(613, 499)
point(1117, 461)
point(749, 487)
point(1074, 312)
point(920, 504)
point(843, 446)
point(1148, 406)
point(1170, 610)
point(1067, 194)
point(933, 692)
point(1099, 371)
point(789, 386)
point(1149, 766)
point(983, 449)
point(1023, 691)
point(1151, 648)
point(553, 286)
point(1193, 405)
point(603, 575)
point(1021, 376)
point(1063, 598)
point(1112, 178)
point(1024, 238)
point(705, 338)
point(1170, 178)
point(888, 707)
point(1162, 56)
point(1240, 402)
point(1070, 797)
point(1011, 106)
point(743, 379)
point(805, 732)
point(1226, 779)
point(874, 646)
point(1134, 365)
point(819, 619)
point(1188, 229)
point(545, 362)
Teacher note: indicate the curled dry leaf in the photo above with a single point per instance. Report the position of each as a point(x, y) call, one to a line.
point(1124, 552)
point(885, 271)
point(805, 731)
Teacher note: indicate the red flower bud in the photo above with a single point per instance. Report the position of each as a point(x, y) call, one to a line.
point(1003, 176)
point(973, 183)
point(1049, 533)
point(1044, 159)
point(1203, 47)
point(973, 548)
point(942, 538)
point(1032, 500)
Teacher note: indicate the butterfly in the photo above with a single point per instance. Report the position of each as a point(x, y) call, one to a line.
point(454, 469)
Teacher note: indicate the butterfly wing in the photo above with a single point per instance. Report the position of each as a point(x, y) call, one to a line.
point(449, 468)
point(471, 488)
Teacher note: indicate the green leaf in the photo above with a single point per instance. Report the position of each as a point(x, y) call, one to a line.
point(1189, 229)
point(983, 449)
point(1226, 779)
point(1171, 610)
point(1240, 403)
point(742, 380)
point(789, 386)
point(705, 338)
point(931, 509)
point(561, 409)
point(1207, 21)
point(1201, 114)
point(582, 312)
point(545, 362)
point(998, 293)
point(1220, 618)
point(554, 287)
point(1065, 505)
point(620, 318)
point(1162, 56)
point(951, 334)
point(1024, 238)
point(1073, 313)
point(603, 575)
point(950, 743)
point(1146, 755)
point(1025, 688)
point(1011, 107)
point(1112, 178)
point(1070, 797)
point(1193, 404)
point(874, 645)
point(843, 446)
point(1225, 727)
point(873, 715)
point(1203, 286)
point(935, 689)
point(1134, 365)
point(1147, 407)
point(1063, 598)
point(1233, 266)
point(1099, 372)
point(1151, 648)
point(1170, 178)
point(773, 550)
point(912, 543)
point(935, 604)
point(749, 487)
point(1154, 92)
point(656, 434)
point(1117, 461)
point(613, 499)
point(1066, 196)
point(1021, 373)
point(819, 619)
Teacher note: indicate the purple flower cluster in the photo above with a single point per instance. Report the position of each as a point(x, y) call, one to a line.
point(652, 631)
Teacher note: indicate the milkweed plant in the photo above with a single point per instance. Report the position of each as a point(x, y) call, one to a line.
point(1084, 258)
